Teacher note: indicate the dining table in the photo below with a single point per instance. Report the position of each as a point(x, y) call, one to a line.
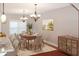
point(29, 39)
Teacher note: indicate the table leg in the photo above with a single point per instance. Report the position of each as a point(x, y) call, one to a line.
point(28, 44)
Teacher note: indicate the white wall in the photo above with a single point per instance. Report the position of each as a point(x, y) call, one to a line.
point(0, 27)
point(0, 24)
point(65, 23)
point(78, 24)
point(5, 26)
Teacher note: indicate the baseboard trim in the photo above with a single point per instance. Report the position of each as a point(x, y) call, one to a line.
point(50, 43)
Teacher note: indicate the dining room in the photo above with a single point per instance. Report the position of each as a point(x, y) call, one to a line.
point(28, 29)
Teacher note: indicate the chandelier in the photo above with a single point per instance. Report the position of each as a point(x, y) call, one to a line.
point(3, 16)
point(35, 16)
point(23, 18)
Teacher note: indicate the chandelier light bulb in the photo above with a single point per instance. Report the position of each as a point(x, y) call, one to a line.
point(23, 18)
point(3, 18)
point(35, 16)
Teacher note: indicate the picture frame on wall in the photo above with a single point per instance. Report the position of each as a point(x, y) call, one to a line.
point(48, 25)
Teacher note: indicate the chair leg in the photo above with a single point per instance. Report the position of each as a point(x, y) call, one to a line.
point(19, 45)
point(35, 47)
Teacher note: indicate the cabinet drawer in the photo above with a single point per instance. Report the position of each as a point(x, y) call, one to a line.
point(74, 44)
point(60, 46)
point(74, 51)
point(69, 49)
point(69, 45)
point(64, 48)
point(62, 40)
point(69, 42)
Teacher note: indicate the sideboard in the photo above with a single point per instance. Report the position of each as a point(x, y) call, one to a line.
point(69, 44)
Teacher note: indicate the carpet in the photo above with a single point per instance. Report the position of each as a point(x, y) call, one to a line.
point(52, 53)
point(26, 52)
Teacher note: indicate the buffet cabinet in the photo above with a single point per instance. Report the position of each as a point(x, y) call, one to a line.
point(69, 45)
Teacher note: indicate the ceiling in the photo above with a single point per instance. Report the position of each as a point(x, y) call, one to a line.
point(17, 8)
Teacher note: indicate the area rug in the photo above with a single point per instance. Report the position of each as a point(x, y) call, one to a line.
point(26, 52)
point(52, 53)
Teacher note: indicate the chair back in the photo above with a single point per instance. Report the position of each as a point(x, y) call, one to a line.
point(18, 37)
point(12, 38)
point(38, 40)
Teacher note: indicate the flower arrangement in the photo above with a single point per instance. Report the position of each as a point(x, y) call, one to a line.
point(29, 28)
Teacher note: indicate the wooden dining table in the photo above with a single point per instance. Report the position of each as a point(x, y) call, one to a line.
point(29, 39)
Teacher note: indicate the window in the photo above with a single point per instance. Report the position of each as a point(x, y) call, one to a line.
point(17, 27)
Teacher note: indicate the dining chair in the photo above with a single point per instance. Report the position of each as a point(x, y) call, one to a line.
point(22, 42)
point(14, 42)
point(12, 38)
point(38, 43)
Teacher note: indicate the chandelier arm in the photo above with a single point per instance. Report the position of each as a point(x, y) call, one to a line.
point(35, 16)
point(35, 9)
point(3, 16)
point(3, 8)
point(23, 14)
